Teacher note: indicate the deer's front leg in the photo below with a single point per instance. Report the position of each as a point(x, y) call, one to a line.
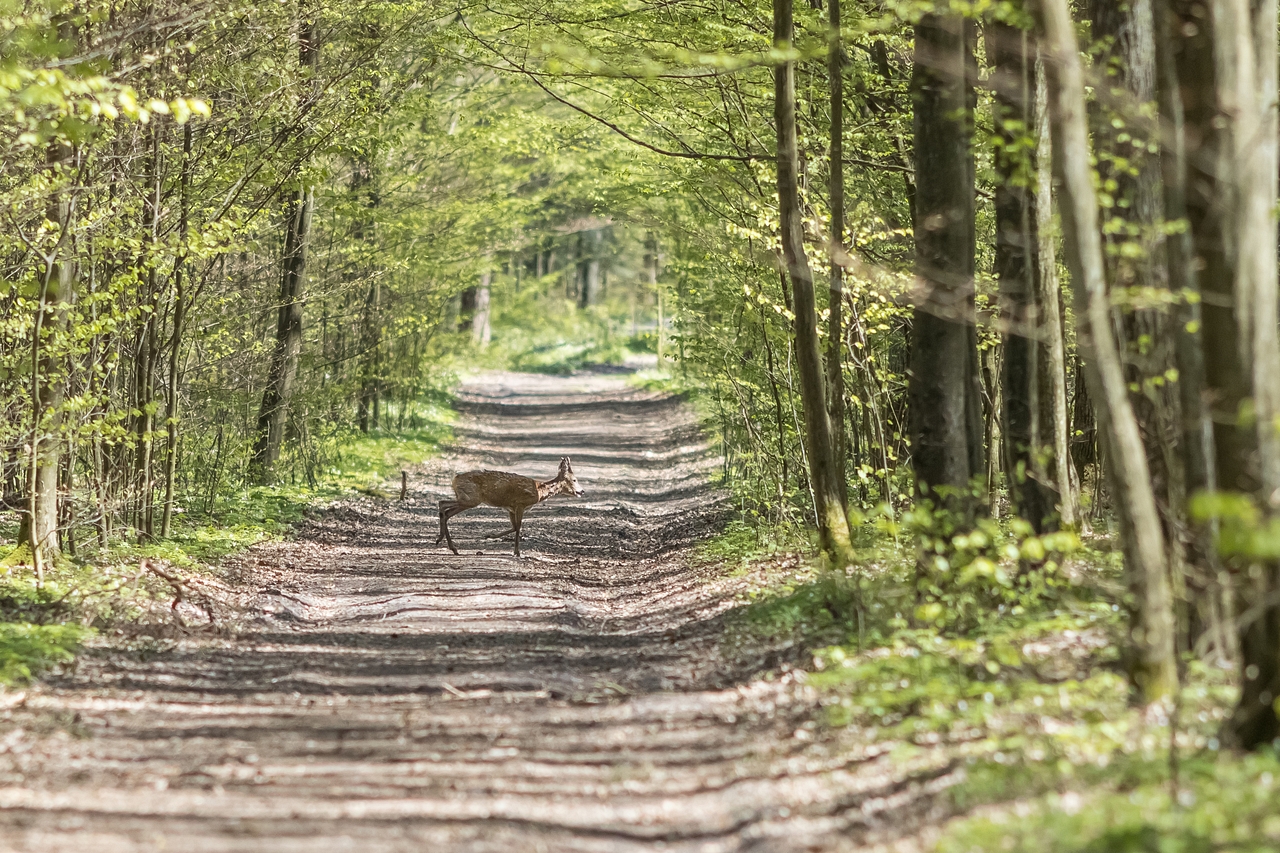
point(517, 519)
point(511, 516)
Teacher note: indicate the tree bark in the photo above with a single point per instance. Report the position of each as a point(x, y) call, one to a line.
point(1201, 589)
point(835, 301)
point(589, 289)
point(1150, 348)
point(833, 524)
point(1053, 372)
point(175, 346)
point(480, 332)
point(1180, 257)
point(943, 391)
point(40, 527)
point(1017, 271)
point(283, 371)
point(1154, 669)
point(364, 192)
point(1245, 42)
point(1207, 201)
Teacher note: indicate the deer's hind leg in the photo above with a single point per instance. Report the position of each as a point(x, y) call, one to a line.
point(511, 515)
point(448, 509)
point(517, 519)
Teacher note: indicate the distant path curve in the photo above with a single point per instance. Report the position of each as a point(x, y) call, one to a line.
point(393, 697)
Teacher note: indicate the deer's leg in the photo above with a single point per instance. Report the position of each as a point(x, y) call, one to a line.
point(517, 519)
point(446, 513)
point(445, 505)
point(511, 515)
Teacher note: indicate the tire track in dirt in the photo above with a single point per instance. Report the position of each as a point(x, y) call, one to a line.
point(393, 697)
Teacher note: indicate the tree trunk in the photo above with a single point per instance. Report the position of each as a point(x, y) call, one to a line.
point(1017, 271)
point(283, 371)
point(149, 353)
point(1201, 589)
point(589, 287)
point(1207, 201)
point(1154, 667)
point(1245, 42)
point(40, 528)
point(175, 347)
point(943, 392)
point(833, 525)
point(1053, 368)
point(835, 302)
point(480, 331)
point(362, 184)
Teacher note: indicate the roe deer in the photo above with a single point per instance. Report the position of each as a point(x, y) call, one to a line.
point(511, 492)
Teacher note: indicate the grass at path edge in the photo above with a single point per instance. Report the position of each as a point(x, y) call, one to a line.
point(1031, 700)
point(44, 625)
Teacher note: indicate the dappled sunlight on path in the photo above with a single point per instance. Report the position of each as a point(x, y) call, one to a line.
point(389, 695)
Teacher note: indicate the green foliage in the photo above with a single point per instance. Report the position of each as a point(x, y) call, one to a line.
point(1244, 531)
point(1223, 803)
point(970, 573)
point(1029, 697)
point(741, 544)
point(27, 650)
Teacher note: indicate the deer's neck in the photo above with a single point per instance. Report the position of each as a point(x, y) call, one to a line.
point(547, 489)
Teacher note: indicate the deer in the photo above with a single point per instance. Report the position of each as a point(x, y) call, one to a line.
point(513, 492)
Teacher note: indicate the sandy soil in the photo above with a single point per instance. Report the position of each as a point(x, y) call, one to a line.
point(387, 695)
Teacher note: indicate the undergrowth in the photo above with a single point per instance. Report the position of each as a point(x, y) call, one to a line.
point(539, 333)
point(1000, 648)
point(104, 585)
point(26, 650)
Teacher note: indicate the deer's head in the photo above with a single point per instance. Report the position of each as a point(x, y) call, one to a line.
point(566, 483)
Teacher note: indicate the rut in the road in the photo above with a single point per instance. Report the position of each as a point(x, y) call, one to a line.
point(392, 696)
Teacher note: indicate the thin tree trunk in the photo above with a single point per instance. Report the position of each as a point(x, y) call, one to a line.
point(283, 370)
point(480, 331)
point(150, 352)
point(1154, 666)
point(833, 525)
point(1201, 589)
point(1053, 373)
point(1017, 271)
point(171, 405)
point(175, 348)
point(40, 527)
point(942, 389)
point(363, 184)
point(835, 302)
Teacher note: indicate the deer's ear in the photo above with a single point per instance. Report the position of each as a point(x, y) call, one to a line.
point(564, 464)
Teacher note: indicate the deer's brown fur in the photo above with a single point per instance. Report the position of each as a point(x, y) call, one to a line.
point(513, 492)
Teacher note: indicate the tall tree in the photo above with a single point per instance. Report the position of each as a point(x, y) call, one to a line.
point(1222, 61)
point(1053, 427)
point(833, 524)
point(1154, 666)
point(48, 373)
point(835, 315)
point(283, 369)
point(944, 395)
point(1017, 269)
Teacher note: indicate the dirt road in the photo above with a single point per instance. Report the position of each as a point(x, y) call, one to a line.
point(390, 696)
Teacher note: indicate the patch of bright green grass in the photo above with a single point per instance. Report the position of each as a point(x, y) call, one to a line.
point(368, 464)
point(1221, 803)
point(1019, 680)
point(741, 544)
point(41, 624)
point(26, 650)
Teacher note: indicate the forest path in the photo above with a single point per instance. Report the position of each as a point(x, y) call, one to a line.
point(394, 697)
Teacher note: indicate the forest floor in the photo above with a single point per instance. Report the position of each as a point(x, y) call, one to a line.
point(378, 693)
